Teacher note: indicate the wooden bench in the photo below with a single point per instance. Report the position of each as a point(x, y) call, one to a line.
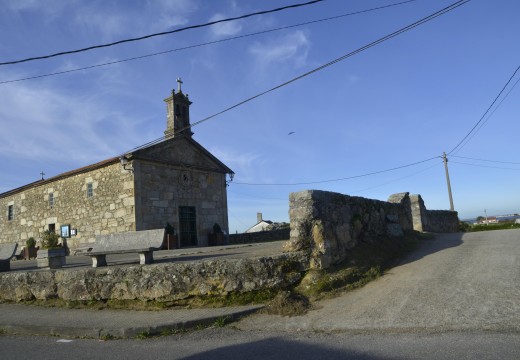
point(142, 242)
point(7, 251)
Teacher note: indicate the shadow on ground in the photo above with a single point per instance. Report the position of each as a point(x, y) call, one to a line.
point(275, 348)
point(426, 247)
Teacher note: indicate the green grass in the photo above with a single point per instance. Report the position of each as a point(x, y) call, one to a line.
point(365, 263)
point(499, 226)
point(222, 321)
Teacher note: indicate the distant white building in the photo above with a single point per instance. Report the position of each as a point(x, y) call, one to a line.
point(261, 224)
point(489, 220)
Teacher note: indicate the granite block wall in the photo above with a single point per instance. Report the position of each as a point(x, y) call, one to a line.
point(327, 225)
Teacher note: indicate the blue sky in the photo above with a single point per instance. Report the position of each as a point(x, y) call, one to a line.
point(403, 101)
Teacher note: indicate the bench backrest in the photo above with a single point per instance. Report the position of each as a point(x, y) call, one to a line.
point(132, 240)
point(7, 251)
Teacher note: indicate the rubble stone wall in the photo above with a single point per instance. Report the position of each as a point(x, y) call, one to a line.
point(161, 282)
point(327, 225)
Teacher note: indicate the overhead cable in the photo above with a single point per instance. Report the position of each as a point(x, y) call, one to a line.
point(159, 34)
point(495, 161)
point(485, 113)
point(484, 166)
point(333, 62)
point(340, 179)
point(396, 180)
point(205, 43)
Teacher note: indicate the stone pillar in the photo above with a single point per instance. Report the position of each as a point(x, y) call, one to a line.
point(405, 209)
point(419, 215)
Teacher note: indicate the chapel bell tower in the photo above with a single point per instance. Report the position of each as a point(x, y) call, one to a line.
point(178, 113)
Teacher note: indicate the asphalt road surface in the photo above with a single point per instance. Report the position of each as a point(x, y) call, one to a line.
point(457, 297)
point(455, 282)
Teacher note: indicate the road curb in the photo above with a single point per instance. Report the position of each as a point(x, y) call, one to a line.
point(100, 332)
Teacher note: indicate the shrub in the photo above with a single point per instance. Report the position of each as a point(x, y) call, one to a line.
point(464, 226)
point(169, 229)
point(217, 229)
point(49, 240)
point(30, 243)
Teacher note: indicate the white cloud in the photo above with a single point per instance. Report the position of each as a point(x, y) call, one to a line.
point(48, 6)
point(108, 25)
point(54, 125)
point(293, 46)
point(139, 18)
point(228, 28)
point(245, 165)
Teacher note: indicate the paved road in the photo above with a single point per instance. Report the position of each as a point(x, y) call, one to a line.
point(454, 282)
point(228, 343)
point(457, 297)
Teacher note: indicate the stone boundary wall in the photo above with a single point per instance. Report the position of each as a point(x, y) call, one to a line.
point(327, 225)
point(260, 236)
point(161, 282)
point(442, 221)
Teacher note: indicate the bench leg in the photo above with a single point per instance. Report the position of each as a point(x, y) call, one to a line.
point(146, 258)
point(99, 260)
point(5, 265)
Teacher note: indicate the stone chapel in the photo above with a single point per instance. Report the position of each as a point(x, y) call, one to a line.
point(174, 180)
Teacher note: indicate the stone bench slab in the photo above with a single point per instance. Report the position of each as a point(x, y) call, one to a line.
point(141, 242)
point(7, 251)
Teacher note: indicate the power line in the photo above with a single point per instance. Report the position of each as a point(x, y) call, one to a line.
point(495, 161)
point(488, 117)
point(161, 33)
point(346, 56)
point(333, 62)
point(340, 179)
point(395, 180)
point(205, 43)
point(485, 113)
point(256, 197)
point(484, 166)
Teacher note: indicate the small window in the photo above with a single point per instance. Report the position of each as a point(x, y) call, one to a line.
point(10, 212)
point(51, 200)
point(90, 190)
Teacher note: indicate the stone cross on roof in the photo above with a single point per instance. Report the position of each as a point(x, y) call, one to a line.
point(179, 81)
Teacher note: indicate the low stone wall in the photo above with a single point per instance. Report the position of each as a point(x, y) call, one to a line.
point(161, 282)
point(442, 221)
point(260, 236)
point(327, 225)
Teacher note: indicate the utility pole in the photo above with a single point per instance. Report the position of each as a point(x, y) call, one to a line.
point(485, 212)
point(445, 159)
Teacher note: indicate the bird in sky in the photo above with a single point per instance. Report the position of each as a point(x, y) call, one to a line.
point(292, 132)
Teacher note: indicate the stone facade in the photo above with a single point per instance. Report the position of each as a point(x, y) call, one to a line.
point(142, 190)
point(109, 209)
point(327, 225)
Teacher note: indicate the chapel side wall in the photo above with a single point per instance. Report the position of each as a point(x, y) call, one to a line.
point(110, 210)
point(161, 190)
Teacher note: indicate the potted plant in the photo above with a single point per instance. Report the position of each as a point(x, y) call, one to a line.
point(30, 249)
point(170, 239)
point(52, 254)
